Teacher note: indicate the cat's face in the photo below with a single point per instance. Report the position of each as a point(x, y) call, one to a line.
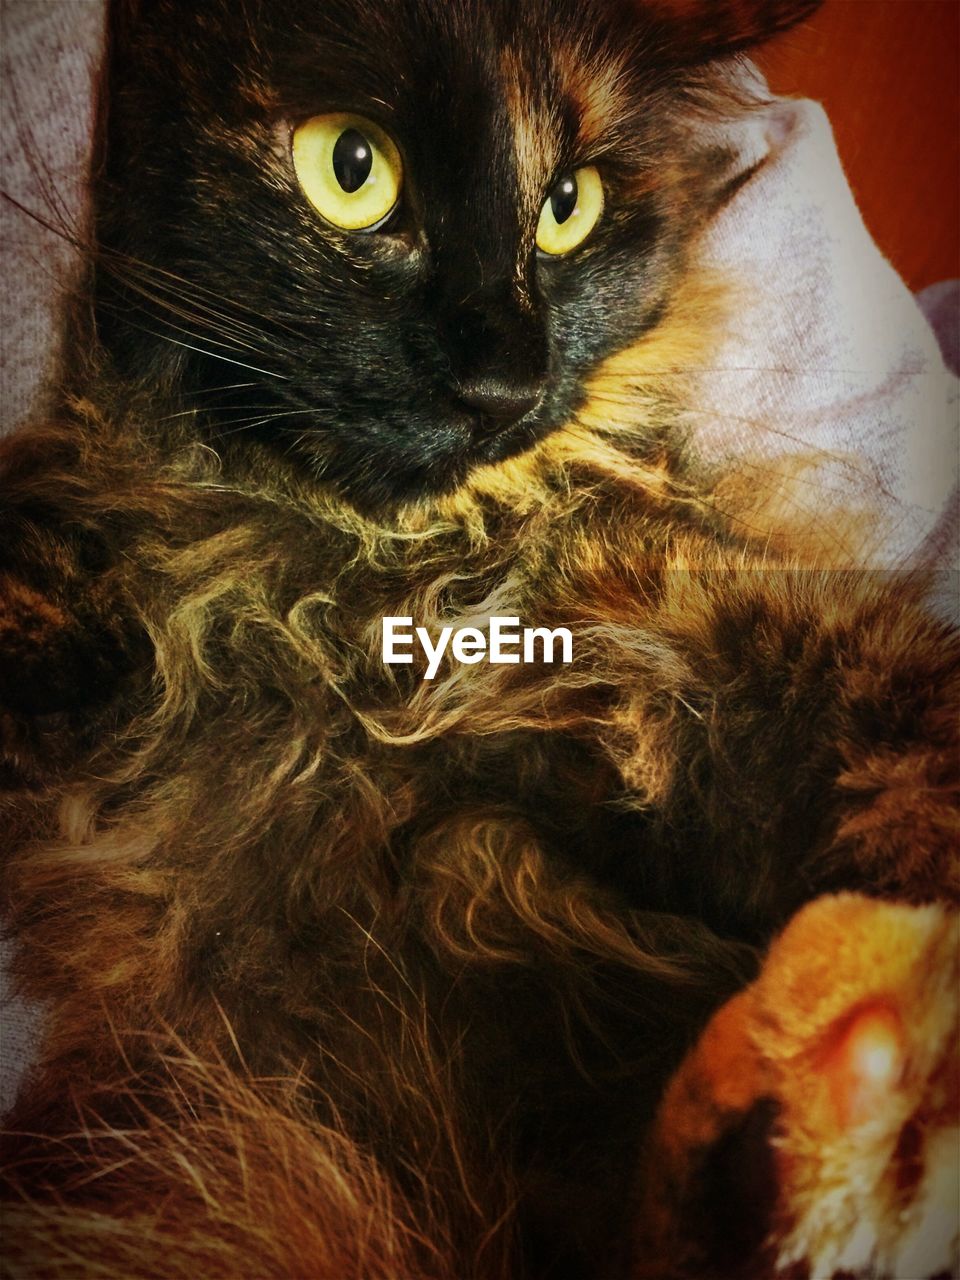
point(538, 178)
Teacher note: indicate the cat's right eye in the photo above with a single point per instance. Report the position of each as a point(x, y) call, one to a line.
point(349, 170)
point(570, 212)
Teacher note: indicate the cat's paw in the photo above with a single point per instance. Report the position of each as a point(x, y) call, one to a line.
point(35, 633)
point(813, 1131)
point(58, 672)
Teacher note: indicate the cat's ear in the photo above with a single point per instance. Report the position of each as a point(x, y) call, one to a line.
point(699, 30)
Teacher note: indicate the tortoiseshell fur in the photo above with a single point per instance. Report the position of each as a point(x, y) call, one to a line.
point(351, 973)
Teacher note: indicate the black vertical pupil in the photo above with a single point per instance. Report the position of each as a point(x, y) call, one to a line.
point(352, 160)
point(563, 198)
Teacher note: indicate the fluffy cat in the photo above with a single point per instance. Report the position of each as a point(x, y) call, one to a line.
point(354, 973)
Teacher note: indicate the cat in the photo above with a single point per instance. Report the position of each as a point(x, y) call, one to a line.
point(353, 972)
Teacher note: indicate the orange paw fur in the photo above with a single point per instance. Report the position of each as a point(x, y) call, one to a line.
point(848, 1042)
point(864, 1063)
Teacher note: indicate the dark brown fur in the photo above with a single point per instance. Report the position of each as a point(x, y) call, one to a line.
point(389, 975)
point(286, 848)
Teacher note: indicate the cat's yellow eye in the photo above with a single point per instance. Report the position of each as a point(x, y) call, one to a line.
point(349, 170)
point(570, 211)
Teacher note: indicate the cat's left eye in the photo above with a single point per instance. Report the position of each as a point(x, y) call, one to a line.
point(349, 170)
point(570, 211)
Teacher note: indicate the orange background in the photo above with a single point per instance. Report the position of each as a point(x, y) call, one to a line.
point(888, 73)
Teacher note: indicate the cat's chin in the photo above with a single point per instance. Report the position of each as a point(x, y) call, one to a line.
point(490, 449)
point(381, 480)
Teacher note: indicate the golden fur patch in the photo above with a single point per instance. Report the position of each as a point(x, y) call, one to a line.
point(597, 87)
point(533, 134)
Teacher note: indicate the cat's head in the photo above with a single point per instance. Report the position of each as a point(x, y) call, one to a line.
point(392, 237)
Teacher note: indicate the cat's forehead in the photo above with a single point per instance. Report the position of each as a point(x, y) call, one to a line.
point(556, 76)
point(577, 100)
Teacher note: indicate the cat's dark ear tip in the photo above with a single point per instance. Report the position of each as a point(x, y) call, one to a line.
point(700, 30)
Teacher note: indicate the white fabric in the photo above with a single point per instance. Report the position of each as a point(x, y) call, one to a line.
point(49, 52)
point(826, 350)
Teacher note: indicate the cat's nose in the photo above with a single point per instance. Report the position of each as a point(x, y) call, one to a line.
point(500, 404)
